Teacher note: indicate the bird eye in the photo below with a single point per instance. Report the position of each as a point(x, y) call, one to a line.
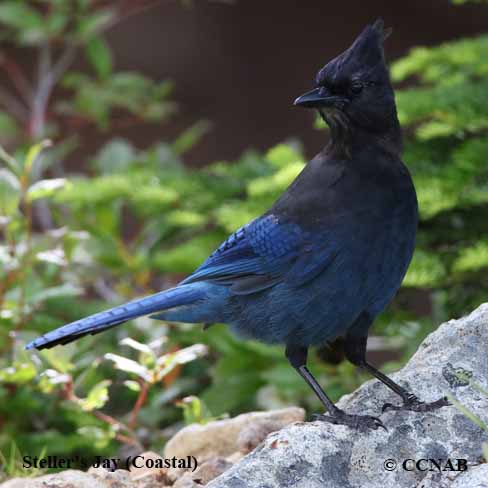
point(356, 87)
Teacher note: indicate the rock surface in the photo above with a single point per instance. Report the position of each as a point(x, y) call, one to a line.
point(313, 455)
point(225, 437)
point(74, 479)
point(203, 474)
point(320, 455)
point(229, 438)
point(474, 477)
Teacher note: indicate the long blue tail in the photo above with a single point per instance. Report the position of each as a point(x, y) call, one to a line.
point(174, 297)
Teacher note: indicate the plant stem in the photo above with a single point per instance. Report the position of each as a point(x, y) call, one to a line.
point(139, 403)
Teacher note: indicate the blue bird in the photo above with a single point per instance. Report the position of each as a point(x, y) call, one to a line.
point(331, 252)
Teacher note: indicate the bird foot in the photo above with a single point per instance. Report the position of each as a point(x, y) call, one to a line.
point(415, 405)
point(362, 423)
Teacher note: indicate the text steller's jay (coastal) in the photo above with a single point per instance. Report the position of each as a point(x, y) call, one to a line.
point(331, 252)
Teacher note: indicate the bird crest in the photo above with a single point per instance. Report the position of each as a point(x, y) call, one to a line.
point(364, 56)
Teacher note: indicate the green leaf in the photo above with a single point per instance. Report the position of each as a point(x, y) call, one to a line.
point(277, 182)
point(20, 15)
point(190, 137)
point(12, 163)
point(45, 188)
point(129, 366)
point(97, 396)
point(116, 156)
point(138, 346)
point(9, 192)
point(59, 358)
point(129, 91)
point(426, 270)
point(133, 385)
point(283, 155)
point(168, 362)
point(100, 57)
point(233, 216)
point(185, 218)
point(450, 62)
point(187, 256)
point(445, 110)
point(192, 409)
point(472, 258)
point(53, 256)
point(51, 379)
point(237, 375)
point(60, 291)
point(33, 154)
point(97, 437)
point(93, 24)
point(18, 373)
point(56, 22)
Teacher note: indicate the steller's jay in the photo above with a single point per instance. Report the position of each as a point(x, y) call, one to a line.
point(331, 252)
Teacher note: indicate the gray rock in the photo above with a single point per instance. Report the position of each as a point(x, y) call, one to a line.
point(73, 478)
point(313, 455)
point(227, 438)
point(203, 474)
point(474, 478)
point(222, 438)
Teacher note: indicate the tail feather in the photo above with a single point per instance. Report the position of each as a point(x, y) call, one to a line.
point(174, 297)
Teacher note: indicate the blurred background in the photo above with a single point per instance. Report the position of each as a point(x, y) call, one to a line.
point(137, 134)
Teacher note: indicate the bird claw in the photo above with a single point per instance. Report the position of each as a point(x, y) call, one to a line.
point(413, 404)
point(357, 422)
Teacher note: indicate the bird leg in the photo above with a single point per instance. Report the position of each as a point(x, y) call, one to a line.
point(297, 356)
point(355, 351)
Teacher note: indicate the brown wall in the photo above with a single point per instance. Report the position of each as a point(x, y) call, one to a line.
point(241, 64)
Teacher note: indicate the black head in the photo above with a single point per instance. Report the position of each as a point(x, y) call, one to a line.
point(353, 91)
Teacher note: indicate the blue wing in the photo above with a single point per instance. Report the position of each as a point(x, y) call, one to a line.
point(263, 253)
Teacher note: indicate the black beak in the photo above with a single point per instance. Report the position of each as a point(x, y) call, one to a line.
point(318, 97)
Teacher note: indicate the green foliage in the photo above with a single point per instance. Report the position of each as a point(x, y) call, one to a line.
point(29, 24)
point(195, 410)
point(100, 57)
point(11, 464)
point(446, 152)
point(152, 369)
point(473, 258)
point(462, 2)
point(96, 99)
